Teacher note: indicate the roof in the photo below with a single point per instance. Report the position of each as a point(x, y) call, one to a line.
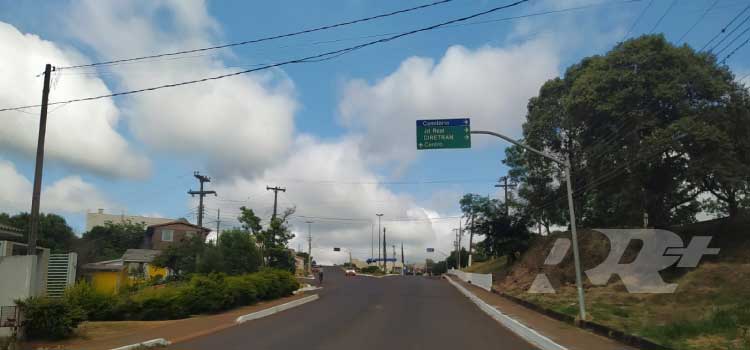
point(8, 232)
point(180, 222)
point(140, 255)
point(107, 265)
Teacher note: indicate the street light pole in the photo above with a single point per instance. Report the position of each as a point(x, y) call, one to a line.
point(565, 162)
point(379, 216)
point(309, 248)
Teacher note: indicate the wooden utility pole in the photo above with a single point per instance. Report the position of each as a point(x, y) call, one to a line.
point(218, 224)
point(471, 238)
point(202, 179)
point(503, 182)
point(275, 190)
point(385, 251)
point(36, 194)
point(309, 247)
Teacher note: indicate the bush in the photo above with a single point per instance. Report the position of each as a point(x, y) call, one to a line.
point(97, 306)
point(155, 304)
point(370, 269)
point(206, 293)
point(242, 289)
point(46, 318)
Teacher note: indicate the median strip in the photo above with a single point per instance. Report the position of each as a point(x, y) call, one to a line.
point(275, 309)
point(161, 342)
point(523, 331)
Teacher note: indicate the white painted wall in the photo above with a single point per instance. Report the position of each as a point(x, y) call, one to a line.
point(18, 278)
point(480, 280)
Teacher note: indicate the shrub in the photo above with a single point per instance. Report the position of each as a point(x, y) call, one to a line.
point(96, 306)
point(206, 293)
point(242, 289)
point(46, 318)
point(370, 269)
point(155, 304)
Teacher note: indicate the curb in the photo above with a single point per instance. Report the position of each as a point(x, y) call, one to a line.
point(274, 309)
point(595, 328)
point(373, 276)
point(516, 327)
point(145, 344)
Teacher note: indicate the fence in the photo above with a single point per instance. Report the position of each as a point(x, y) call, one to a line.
point(480, 280)
point(9, 320)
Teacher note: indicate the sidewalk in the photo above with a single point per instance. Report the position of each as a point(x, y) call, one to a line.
point(568, 336)
point(113, 334)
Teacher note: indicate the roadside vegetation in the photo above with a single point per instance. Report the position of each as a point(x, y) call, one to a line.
point(47, 318)
point(657, 135)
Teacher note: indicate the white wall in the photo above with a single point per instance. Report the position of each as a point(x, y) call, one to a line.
point(18, 278)
point(480, 280)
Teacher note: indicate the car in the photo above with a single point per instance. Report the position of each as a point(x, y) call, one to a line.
point(350, 272)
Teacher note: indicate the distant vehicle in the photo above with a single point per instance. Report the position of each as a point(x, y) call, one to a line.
point(350, 272)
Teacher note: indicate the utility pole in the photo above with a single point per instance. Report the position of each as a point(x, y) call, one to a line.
point(393, 266)
point(471, 237)
point(403, 264)
point(218, 224)
point(309, 247)
point(460, 233)
point(372, 241)
point(36, 194)
point(456, 244)
point(380, 216)
point(503, 182)
point(275, 190)
point(385, 253)
point(202, 179)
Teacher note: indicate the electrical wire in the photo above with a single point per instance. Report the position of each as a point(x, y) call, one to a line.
point(723, 30)
point(735, 50)
point(663, 16)
point(729, 34)
point(252, 41)
point(703, 15)
point(323, 56)
point(733, 40)
point(637, 19)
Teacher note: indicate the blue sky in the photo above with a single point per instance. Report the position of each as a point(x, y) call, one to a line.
point(337, 134)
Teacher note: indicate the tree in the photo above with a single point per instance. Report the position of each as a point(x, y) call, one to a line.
point(111, 240)
point(451, 260)
point(649, 117)
point(182, 258)
point(509, 236)
point(54, 232)
point(239, 252)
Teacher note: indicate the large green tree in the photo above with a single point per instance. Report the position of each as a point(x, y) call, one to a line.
point(54, 232)
point(642, 126)
point(111, 240)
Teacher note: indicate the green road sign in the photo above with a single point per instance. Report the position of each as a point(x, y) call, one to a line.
point(443, 133)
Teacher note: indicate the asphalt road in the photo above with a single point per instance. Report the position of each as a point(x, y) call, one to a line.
point(354, 313)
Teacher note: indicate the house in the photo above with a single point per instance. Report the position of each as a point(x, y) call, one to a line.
point(10, 233)
point(161, 236)
point(299, 265)
point(100, 218)
point(133, 267)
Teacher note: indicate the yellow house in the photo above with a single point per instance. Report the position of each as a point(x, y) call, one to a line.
point(134, 267)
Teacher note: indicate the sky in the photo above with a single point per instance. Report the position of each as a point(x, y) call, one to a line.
point(337, 134)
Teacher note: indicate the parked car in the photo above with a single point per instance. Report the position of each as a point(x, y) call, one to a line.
point(350, 272)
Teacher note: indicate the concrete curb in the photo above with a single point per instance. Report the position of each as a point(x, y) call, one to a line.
point(147, 344)
point(275, 309)
point(523, 331)
point(306, 288)
point(373, 276)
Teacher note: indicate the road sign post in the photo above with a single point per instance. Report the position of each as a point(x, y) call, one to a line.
point(443, 133)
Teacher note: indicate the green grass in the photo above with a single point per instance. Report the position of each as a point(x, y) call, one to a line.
point(729, 322)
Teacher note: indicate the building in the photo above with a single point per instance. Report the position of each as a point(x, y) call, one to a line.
point(299, 265)
point(10, 233)
point(100, 218)
point(161, 236)
point(133, 267)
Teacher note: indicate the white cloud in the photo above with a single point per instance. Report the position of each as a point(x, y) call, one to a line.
point(490, 85)
point(237, 125)
point(68, 195)
point(330, 184)
point(81, 134)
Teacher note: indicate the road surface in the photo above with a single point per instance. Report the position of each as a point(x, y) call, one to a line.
point(354, 313)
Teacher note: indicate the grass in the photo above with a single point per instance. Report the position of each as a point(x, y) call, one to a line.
point(489, 266)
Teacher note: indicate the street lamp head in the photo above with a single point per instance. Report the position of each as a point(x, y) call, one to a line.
point(379, 214)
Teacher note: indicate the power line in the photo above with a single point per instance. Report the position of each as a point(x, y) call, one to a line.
point(313, 58)
point(735, 50)
point(733, 40)
point(723, 30)
point(637, 19)
point(664, 15)
point(703, 15)
point(729, 34)
point(306, 31)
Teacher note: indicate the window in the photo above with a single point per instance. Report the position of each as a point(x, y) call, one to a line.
point(166, 235)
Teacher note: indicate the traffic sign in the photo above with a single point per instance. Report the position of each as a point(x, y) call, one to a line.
point(430, 250)
point(336, 249)
point(443, 133)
